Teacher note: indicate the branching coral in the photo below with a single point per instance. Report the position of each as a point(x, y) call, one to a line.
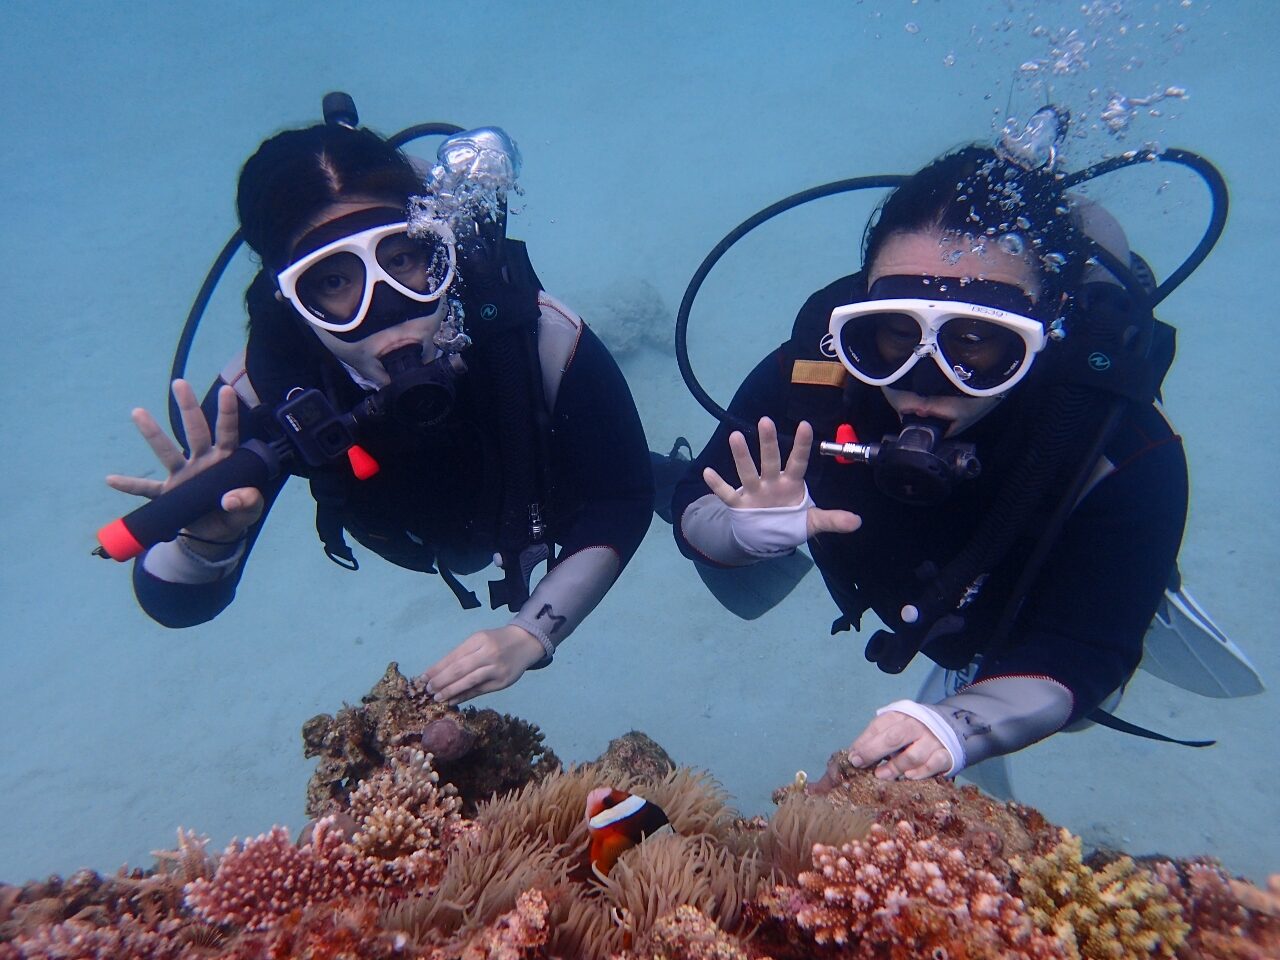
point(125, 937)
point(404, 824)
point(1230, 919)
point(266, 878)
point(399, 871)
point(896, 890)
point(407, 821)
point(1120, 911)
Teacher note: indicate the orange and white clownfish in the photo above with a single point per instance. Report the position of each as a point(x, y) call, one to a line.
point(618, 821)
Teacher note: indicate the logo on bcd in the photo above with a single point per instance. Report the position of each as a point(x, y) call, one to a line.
point(1099, 361)
point(828, 346)
point(488, 311)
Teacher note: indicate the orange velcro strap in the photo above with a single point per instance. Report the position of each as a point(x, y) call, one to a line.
point(819, 373)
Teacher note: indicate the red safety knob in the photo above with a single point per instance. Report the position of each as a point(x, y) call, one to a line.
point(362, 463)
point(845, 434)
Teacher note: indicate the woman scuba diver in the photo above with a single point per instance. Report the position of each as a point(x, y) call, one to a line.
point(1020, 519)
point(491, 423)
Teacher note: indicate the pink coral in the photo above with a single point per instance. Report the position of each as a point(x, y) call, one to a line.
point(268, 877)
point(405, 823)
point(896, 892)
point(128, 937)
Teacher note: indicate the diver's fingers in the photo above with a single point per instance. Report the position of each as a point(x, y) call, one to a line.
point(883, 737)
point(244, 504)
point(456, 664)
point(770, 458)
point(748, 478)
point(227, 429)
point(935, 764)
point(471, 684)
point(719, 487)
point(167, 452)
point(831, 521)
point(137, 486)
point(916, 757)
point(798, 461)
point(194, 425)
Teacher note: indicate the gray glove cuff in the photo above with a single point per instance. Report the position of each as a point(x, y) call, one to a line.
point(174, 562)
point(564, 597)
point(1002, 715)
point(707, 524)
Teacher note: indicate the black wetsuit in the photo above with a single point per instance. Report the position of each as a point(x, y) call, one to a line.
point(1083, 621)
point(436, 497)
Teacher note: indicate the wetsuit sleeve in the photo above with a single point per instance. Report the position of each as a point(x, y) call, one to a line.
point(177, 589)
point(1088, 611)
point(603, 489)
point(702, 527)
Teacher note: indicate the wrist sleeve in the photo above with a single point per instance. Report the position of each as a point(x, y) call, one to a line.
point(564, 597)
point(174, 562)
point(998, 716)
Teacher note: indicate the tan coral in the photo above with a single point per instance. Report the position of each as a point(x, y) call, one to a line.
point(406, 819)
point(1121, 912)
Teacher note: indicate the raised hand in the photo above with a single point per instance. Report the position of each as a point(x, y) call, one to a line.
point(240, 507)
point(773, 486)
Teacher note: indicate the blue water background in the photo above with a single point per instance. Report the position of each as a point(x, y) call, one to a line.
point(648, 131)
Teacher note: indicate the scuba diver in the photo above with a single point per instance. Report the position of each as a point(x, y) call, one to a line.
point(994, 479)
point(403, 357)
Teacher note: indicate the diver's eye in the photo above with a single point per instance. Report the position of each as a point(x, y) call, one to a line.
point(332, 283)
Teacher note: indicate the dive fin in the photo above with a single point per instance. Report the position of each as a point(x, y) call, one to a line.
point(1184, 647)
point(668, 470)
point(754, 590)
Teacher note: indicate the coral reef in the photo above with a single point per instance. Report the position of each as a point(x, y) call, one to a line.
point(1121, 911)
point(480, 752)
point(1229, 919)
point(901, 891)
point(404, 865)
point(990, 831)
point(632, 756)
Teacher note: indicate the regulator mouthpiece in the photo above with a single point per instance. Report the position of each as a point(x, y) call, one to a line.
point(1037, 143)
point(420, 395)
point(917, 466)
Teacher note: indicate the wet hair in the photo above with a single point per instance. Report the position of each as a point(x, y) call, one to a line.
point(296, 173)
point(973, 191)
point(286, 182)
point(1055, 422)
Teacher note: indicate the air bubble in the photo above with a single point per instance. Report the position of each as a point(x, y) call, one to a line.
point(1012, 244)
point(912, 27)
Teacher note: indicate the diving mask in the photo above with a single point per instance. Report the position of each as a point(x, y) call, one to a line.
point(982, 350)
point(332, 286)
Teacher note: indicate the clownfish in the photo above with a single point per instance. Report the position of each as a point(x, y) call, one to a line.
point(618, 821)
